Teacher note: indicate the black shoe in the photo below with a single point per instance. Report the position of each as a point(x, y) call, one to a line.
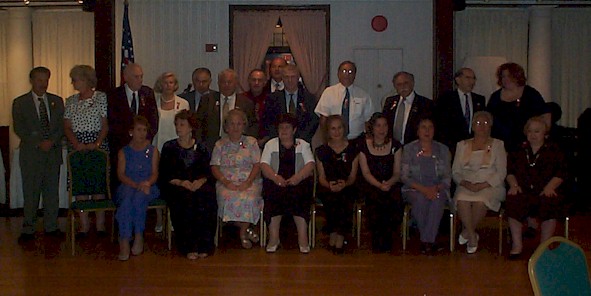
point(102, 233)
point(56, 233)
point(26, 237)
point(339, 251)
point(514, 257)
point(425, 248)
point(435, 248)
point(81, 235)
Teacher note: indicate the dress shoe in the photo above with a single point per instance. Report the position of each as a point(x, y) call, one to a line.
point(158, 228)
point(138, 246)
point(192, 256)
point(81, 235)
point(245, 243)
point(252, 236)
point(515, 256)
point(272, 248)
point(202, 255)
point(102, 233)
point(472, 249)
point(304, 249)
point(462, 240)
point(26, 237)
point(339, 251)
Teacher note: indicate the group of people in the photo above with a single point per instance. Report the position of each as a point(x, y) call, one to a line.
point(230, 156)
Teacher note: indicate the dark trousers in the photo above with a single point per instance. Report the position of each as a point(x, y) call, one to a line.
point(194, 218)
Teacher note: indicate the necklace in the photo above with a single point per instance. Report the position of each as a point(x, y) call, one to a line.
point(167, 101)
point(532, 164)
point(380, 146)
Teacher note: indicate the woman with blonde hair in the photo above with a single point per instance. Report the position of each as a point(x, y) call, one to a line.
point(479, 170)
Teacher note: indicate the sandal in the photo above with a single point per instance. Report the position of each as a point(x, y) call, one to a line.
point(245, 243)
point(192, 256)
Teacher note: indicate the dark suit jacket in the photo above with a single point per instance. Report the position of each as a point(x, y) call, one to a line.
point(120, 116)
point(307, 119)
point(421, 107)
point(209, 119)
point(190, 97)
point(28, 127)
point(449, 118)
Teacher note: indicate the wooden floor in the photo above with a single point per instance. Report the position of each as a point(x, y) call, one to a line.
point(46, 267)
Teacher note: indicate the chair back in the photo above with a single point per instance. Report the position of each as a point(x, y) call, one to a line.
point(559, 267)
point(89, 173)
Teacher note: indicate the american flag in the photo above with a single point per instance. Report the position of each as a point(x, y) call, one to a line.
point(126, 43)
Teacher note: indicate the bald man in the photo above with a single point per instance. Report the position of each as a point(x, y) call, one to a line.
point(125, 102)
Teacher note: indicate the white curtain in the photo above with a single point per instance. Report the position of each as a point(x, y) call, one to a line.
point(306, 33)
point(5, 101)
point(61, 40)
point(491, 32)
point(571, 61)
point(253, 31)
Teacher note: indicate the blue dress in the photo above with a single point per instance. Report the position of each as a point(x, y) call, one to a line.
point(132, 203)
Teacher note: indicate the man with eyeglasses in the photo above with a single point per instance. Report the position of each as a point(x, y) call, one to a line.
point(348, 100)
point(406, 109)
point(454, 110)
point(201, 79)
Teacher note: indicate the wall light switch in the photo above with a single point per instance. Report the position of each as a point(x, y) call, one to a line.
point(210, 47)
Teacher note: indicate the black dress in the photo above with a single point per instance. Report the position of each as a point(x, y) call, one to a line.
point(338, 206)
point(290, 200)
point(193, 214)
point(510, 117)
point(384, 209)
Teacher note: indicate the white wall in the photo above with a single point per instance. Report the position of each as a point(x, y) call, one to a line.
point(171, 35)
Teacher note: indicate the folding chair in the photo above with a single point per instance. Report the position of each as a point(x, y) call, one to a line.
point(559, 267)
point(89, 174)
point(405, 226)
point(160, 203)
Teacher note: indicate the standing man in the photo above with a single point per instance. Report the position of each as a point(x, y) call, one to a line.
point(295, 100)
point(39, 122)
point(201, 81)
point(123, 103)
point(276, 71)
point(347, 100)
point(214, 106)
point(455, 109)
point(405, 109)
point(257, 95)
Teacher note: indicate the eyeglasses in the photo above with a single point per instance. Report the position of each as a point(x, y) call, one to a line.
point(479, 123)
point(348, 71)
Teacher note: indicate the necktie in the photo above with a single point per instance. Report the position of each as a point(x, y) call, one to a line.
point(345, 110)
point(467, 111)
point(399, 121)
point(291, 105)
point(225, 108)
point(134, 104)
point(44, 119)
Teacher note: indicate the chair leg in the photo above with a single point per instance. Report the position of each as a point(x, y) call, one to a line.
point(452, 232)
point(312, 228)
point(404, 229)
point(217, 233)
point(262, 231)
point(500, 232)
point(169, 228)
point(72, 229)
point(566, 220)
point(358, 228)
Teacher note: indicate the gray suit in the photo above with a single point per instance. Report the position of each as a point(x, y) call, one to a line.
point(40, 169)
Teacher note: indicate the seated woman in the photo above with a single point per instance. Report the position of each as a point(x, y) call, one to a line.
point(380, 160)
point(287, 164)
point(188, 187)
point(426, 173)
point(479, 170)
point(337, 166)
point(137, 169)
point(534, 174)
point(235, 165)
point(168, 105)
point(86, 127)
